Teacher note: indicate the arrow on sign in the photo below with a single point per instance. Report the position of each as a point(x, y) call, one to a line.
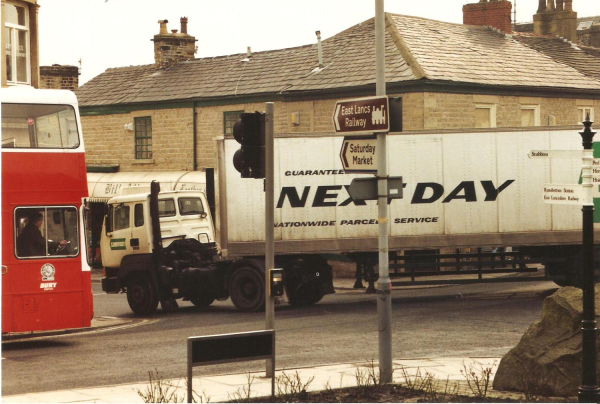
point(335, 121)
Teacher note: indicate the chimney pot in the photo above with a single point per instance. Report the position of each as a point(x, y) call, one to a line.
point(174, 31)
point(163, 27)
point(184, 21)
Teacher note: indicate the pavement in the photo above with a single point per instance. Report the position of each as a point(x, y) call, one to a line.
point(449, 372)
point(227, 387)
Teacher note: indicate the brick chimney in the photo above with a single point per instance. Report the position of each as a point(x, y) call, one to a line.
point(59, 77)
point(173, 47)
point(495, 13)
point(556, 19)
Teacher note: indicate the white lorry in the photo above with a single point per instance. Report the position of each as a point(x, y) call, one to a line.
point(476, 189)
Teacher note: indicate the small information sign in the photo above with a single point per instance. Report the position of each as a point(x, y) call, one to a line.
point(565, 194)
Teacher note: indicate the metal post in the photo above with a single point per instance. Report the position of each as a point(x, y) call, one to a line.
point(588, 391)
point(269, 226)
point(384, 286)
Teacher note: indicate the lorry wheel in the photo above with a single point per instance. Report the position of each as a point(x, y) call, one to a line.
point(141, 296)
point(203, 301)
point(247, 289)
point(306, 294)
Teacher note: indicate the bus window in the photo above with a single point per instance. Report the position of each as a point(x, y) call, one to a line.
point(44, 231)
point(190, 206)
point(39, 126)
point(166, 207)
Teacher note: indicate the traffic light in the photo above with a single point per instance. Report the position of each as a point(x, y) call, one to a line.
point(249, 131)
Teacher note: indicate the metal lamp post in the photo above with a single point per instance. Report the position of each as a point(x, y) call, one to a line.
point(588, 391)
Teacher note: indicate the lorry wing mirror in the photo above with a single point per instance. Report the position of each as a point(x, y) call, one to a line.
point(203, 215)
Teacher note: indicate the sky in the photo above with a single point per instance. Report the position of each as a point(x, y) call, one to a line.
point(115, 33)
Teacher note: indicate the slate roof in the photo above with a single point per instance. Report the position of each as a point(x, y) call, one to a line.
point(416, 49)
point(584, 59)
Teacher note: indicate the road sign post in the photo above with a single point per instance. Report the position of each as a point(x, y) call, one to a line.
point(384, 286)
point(577, 194)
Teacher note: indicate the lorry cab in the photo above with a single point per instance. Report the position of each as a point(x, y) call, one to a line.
point(127, 228)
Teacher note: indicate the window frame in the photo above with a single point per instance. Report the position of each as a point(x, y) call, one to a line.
point(536, 114)
point(46, 208)
point(227, 118)
point(582, 109)
point(13, 35)
point(492, 113)
point(143, 151)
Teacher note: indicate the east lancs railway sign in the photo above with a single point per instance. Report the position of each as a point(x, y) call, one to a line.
point(362, 115)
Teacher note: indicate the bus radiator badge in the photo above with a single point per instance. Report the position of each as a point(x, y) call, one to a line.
point(48, 271)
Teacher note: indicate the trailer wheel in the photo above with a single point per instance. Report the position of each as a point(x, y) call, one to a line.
point(141, 296)
point(247, 289)
point(203, 301)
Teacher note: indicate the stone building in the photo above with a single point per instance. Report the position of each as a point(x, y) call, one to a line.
point(19, 52)
point(440, 77)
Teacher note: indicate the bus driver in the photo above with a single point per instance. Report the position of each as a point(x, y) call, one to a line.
point(31, 243)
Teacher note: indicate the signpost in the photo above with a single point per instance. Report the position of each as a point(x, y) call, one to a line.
point(576, 194)
point(362, 115)
point(358, 154)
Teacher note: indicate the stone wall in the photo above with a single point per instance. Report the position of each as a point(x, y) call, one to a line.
point(108, 142)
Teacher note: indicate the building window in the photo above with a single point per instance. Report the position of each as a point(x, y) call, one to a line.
point(143, 138)
point(229, 118)
point(583, 112)
point(530, 115)
point(16, 43)
point(485, 115)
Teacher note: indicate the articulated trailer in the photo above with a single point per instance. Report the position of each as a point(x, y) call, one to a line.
point(463, 191)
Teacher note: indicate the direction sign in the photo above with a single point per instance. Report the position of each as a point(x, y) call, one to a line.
point(556, 154)
point(362, 115)
point(564, 194)
point(358, 154)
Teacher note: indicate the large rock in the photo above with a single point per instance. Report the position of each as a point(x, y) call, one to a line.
point(547, 360)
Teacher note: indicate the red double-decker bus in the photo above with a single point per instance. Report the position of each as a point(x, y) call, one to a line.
point(46, 281)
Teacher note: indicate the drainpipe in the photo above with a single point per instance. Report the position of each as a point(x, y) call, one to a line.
point(195, 140)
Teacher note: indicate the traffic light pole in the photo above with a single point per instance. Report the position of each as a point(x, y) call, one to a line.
point(384, 286)
point(269, 224)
